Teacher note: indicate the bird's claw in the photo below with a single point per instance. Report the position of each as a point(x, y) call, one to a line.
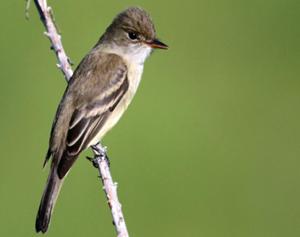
point(100, 153)
point(93, 160)
point(99, 149)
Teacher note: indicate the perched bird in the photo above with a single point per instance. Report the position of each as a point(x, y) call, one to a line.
point(97, 95)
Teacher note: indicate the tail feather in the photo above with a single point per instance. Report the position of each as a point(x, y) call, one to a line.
point(48, 201)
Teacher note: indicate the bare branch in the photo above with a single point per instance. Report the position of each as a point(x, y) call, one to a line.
point(46, 16)
point(110, 188)
point(100, 160)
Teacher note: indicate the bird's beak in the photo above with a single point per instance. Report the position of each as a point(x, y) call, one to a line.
point(156, 44)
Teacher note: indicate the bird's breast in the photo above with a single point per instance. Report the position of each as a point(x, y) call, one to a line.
point(134, 76)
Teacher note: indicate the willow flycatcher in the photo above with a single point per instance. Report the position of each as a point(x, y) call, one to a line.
point(97, 95)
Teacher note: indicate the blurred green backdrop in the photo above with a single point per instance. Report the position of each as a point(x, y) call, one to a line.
point(209, 146)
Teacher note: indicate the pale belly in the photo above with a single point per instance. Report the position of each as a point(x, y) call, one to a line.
point(134, 77)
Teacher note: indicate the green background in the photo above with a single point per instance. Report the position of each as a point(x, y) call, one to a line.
point(209, 146)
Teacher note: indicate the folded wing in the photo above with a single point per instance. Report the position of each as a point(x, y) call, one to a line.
point(91, 114)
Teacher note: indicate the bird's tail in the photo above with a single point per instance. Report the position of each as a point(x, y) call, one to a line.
point(48, 200)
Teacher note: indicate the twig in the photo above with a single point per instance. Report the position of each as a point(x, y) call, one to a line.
point(46, 16)
point(100, 158)
point(110, 188)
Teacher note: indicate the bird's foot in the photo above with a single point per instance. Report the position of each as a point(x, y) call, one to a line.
point(99, 150)
point(100, 153)
point(94, 160)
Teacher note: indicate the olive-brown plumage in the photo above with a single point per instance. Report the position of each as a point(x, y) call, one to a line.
point(97, 95)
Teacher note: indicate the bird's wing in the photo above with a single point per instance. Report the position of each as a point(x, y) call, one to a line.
point(94, 105)
point(88, 120)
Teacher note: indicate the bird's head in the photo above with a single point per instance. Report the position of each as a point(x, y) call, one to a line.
point(132, 33)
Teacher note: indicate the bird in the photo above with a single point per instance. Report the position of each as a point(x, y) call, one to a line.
point(98, 93)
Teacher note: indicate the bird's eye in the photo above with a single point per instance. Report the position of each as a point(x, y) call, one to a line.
point(132, 36)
